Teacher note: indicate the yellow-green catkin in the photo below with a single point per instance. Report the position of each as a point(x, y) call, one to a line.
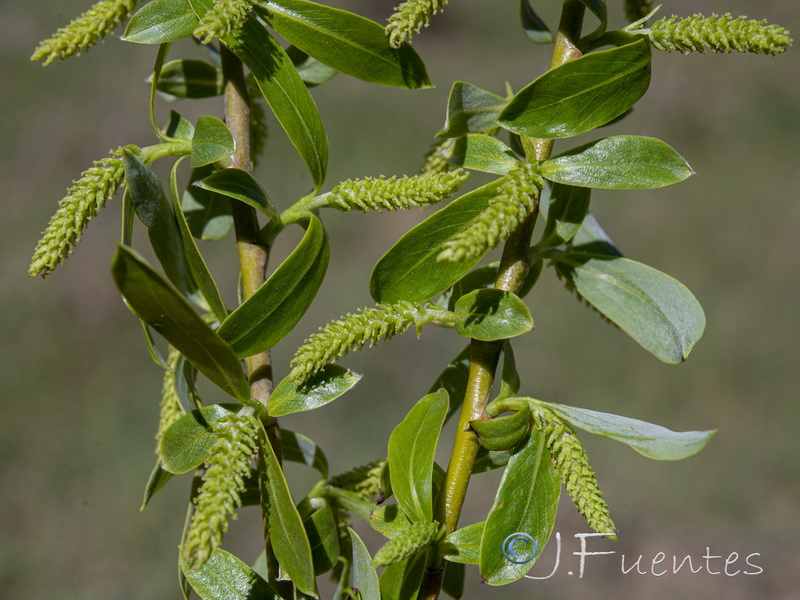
point(516, 198)
point(227, 466)
point(84, 31)
point(407, 543)
point(410, 17)
point(576, 473)
point(223, 18)
point(86, 196)
point(363, 480)
point(395, 194)
point(171, 409)
point(435, 161)
point(718, 34)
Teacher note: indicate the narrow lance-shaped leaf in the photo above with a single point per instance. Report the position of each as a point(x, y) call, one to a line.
point(166, 311)
point(657, 311)
point(623, 162)
point(534, 27)
point(491, 314)
point(271, 313)
point(652, 441)
point(225, 577)
point(208, 214)
point(470, 109)
point(161, 21)
point(411, 449)
point(347, 42)
point(299, 448)
point(526, 503)
point(565, 209)
point(582, 94)
point(323, 536)
point(365, 579)
point(239, 185)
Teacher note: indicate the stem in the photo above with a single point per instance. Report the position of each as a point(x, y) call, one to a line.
point(514, 268)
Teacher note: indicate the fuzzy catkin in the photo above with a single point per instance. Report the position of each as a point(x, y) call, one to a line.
point(84, 31)
point(171, 409)
point(86, 196)
point(718, 34)
point(516, 199)
point(394, 194)
point(363, 480)
point(410, 17)
point(227, 466)
point(435, 161)
point(406, 543)
point(223, 18)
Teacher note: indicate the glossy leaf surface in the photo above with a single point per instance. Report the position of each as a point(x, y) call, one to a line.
point(239, 185)
point(503, 432)
point(401, 581)
point(464, 545)
point(324, 387)
point(491, 314)
point(225, 577)
point(410, 271)
point(623, 162)
point(481, 153)
point(188, 78)
point(212, 141)
point(411, 449)
point(652, 441)
point(365, 578)
point(470, 109)
point(299, 448)
point(389, 520)
point(657, 311)
point(322, 536)
point(566, 209)
point(186, 443)
point(272, 312)
point(166, 311)
point(347, 42)
point(161, 21)
point(526, 502)
point(582, 94)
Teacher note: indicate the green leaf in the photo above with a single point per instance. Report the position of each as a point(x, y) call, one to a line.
point(464, 545)
point(212, 141)
point(581, 94)
point(324, 387)
point(365, 579)
point(239, 185)
point(178, 127)
point(534, 27)
point(591, 237)
point(509, 379)
point(598, 7)
point(470, 109)
point(622, 162)
point(299, 448)
point(491, 314)
point(410, 271)
point(526, 503)
point(566, 208)
point(287, 534)
point(503, 433)
point(657, 311)
point(161, 21)
point(311, 71)
point(489, 460)
point(389, 520)
point(652, 441)
point(347, 42)
point(186, 443)
point(158, 479)
point(402, 580)
point(323, 536)
point(350, 501)
point(166, 311)
point(156, 212)
point(225, 577)
point(454, 580)
point(207, 214)
point(411, 449)
point(481, 153)
point(187, 78)
point(271, 313)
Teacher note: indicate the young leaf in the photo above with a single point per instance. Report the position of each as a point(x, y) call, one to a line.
point(158, 479)
point(347, 42)
point(481, 153)
point(161, 21)
point(526, 503)
point(410, 271)
point(187, 78)
point(464, 545)
point(225, 577)
point(323, 536)
point(186, 443)
point(298, 448)
point(598, 7)
point(591, 237)
point(503, 433)
point(411, 449)
point(389, 520)
point(534, 27)
point(491, 314)
point(324, 387)
point(454, 580)
point(566, 209)
point(239, 185)
point(311, 71)
point(207, 214)
point(470, 109)
point(653, 308)
point(555, 106)
point(287, 534)
point(166, 311)
point(276, 307)
point(652, 441)
point(401, 581)
point(212, 141)
point(622, 162)
point(365, 579)
point(178, 127)
point(509, 379)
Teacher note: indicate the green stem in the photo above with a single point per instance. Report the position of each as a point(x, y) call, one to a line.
point(514, 268)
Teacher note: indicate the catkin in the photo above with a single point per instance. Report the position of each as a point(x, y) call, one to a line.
point(410, 17)
point(406, 543)
point(223, 18)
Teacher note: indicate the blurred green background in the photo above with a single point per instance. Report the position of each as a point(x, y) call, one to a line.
point(80, 392)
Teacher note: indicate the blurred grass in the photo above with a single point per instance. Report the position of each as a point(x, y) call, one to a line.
point(79, 391)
